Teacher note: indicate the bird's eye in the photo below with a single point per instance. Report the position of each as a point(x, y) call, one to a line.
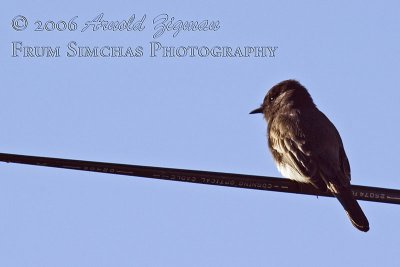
point(271, 98)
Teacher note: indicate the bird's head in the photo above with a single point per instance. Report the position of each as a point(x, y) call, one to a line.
point(283, 96)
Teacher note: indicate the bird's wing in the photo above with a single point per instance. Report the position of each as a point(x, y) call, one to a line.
point(333, 164)
point(345, 165)
point(290, 147)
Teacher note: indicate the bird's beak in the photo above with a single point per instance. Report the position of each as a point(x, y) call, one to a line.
point(257, 110)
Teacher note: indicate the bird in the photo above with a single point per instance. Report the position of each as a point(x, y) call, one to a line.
point(306, 146)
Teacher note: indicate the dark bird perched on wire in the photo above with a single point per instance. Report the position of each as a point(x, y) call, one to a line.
point(306, 146)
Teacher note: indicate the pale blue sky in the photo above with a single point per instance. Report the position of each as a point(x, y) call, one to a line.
point(193, 113)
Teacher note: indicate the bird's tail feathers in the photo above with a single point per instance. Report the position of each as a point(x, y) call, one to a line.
point(351, 206)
